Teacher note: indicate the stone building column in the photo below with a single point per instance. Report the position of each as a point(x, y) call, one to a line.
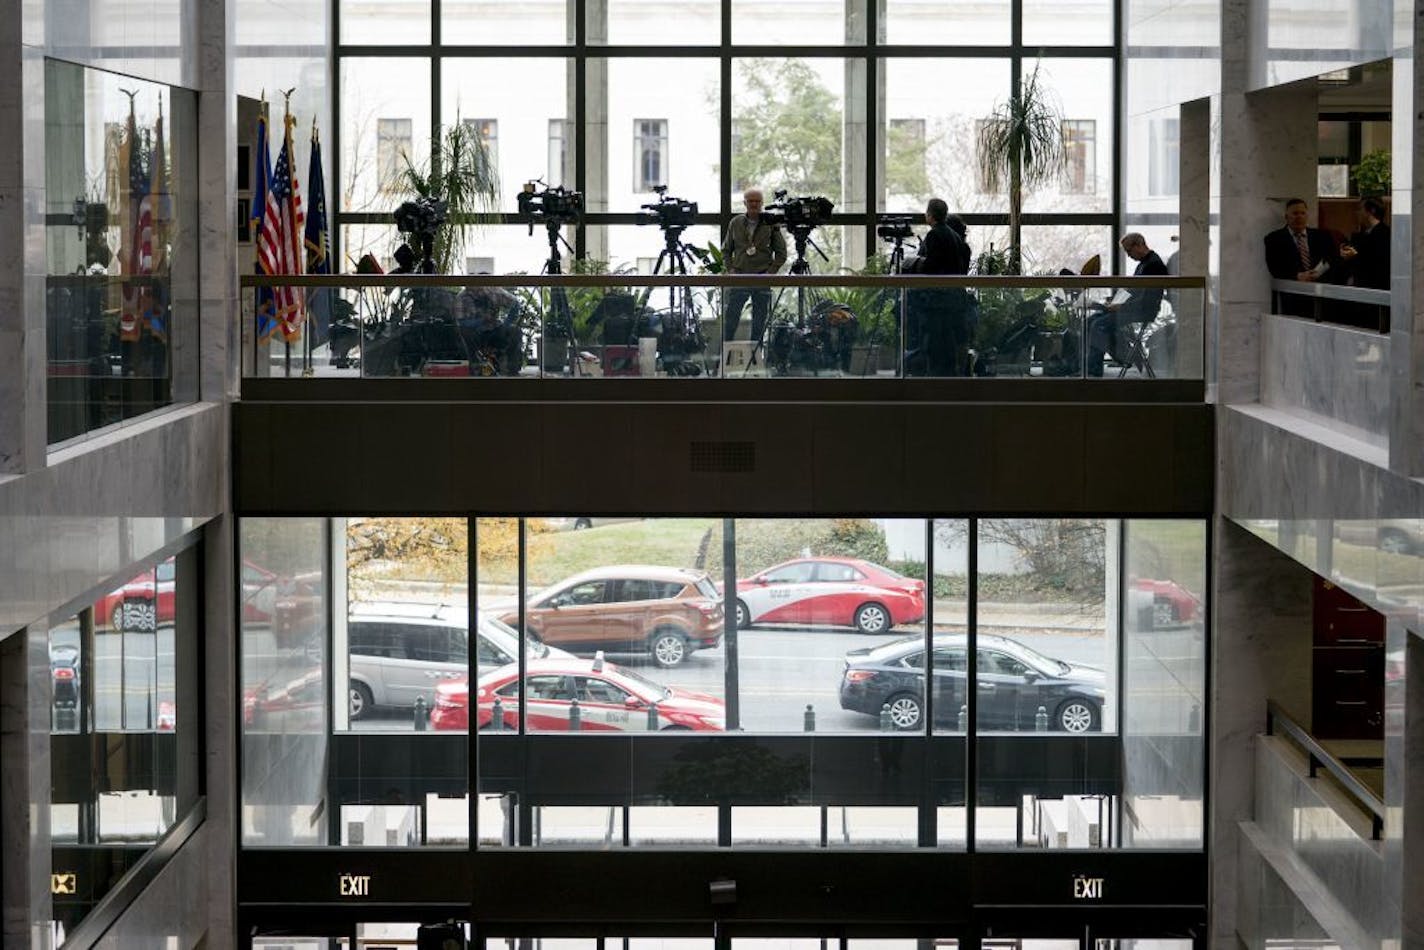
point(25, 797)
point(1406, 332)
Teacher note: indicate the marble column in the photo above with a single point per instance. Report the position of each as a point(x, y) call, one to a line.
point(25, 795)
point(1261, 649)
point(22, 283)
point(217, 201)
point(1193, 231)
point(1404, 799)
point(1406, 331)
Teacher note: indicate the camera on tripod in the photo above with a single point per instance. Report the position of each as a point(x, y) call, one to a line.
point(421, 216)
point(556, 205)
point(801, 212)
point(668, 212)
point(895, 228)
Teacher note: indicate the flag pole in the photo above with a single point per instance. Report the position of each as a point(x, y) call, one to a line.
point(287, 137)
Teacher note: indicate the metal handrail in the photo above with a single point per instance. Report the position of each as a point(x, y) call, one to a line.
point(1301, 288)
point(913, 281)
point(1317, 756)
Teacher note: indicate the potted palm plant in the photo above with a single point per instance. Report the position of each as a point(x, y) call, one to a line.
point(1021, 144)
point(462, 174)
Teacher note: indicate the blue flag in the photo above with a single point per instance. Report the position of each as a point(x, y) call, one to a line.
point(265, 303)
point(318, 247)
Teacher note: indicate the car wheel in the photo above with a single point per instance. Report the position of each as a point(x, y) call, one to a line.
point(360, 700)
point(1162, 614)
point(116, 619)
point(1078, 715)
point(668, 647)
point(905, 711)
point(581, 523)
point(744, 616)
point(872, 618)
point(1394, 541)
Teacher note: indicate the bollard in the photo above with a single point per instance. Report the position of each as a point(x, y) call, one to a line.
point(1040, 720)
point(575, 717)
point(886, 723)
point(652, 717)
point(420, 717)
point(964, 718)
point(497, 715)
point(809, 720)
point(1194, 719)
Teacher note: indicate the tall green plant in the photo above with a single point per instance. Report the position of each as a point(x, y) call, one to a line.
point(1373, 175)
point(461, 173)
point(1021, 144)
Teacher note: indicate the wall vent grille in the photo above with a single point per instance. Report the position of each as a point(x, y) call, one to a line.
point(722, 458)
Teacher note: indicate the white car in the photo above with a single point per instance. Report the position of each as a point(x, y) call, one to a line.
point(401, 651)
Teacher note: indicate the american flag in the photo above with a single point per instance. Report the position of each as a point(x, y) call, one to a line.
point(279, 246)
point(138, 242)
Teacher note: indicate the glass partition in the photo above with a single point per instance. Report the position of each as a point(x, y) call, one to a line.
point(121, 247)
point(791, 710)
point(597, 324)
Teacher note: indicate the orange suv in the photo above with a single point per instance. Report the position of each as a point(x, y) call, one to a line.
point(666, 612)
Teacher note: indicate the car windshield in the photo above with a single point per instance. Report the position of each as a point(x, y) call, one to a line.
point(1034, 658)
point(891, 571)
point(657, 689)
point(498, 630)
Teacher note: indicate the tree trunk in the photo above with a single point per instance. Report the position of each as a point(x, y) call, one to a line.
point(1015, 212)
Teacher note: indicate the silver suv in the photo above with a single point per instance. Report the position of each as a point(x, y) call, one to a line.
point(402, 651)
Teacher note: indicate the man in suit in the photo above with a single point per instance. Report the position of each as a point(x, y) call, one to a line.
point(1297, 252)
point(1140, 306)
point(1367, 253)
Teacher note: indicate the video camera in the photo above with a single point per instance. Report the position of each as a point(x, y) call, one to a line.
point(668, 212)
point(801, 212)
point(421, 216)
point(895, 228)
point(556, 205)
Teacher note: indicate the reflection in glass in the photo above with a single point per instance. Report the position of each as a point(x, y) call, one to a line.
point(120, 247)
point(284, 699)
point(1164, 681)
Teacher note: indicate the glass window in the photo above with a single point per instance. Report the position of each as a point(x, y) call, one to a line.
point(650, 153)
point(916, 22)
point(797, 22)
point(390, 22)
point(1068, 22)
point(559, 167)
point(631, 23)
point(385, 127)
point(1082, 89)
point(120, 239)
point(519, 97)
point(1080, 148)
point(505, 23)
point(790, 115)
point(1164, 156)
point(833, 572)
point(487, 133)
point(928, 143)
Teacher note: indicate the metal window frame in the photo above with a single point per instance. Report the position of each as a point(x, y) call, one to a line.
point(873, 52)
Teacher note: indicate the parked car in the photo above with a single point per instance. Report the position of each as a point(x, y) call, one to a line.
point(666, 612)
point(581, 522)
point(1013, 681)
point(143, 603)
point(611, 699)
point(401, 651)
point(1158, 604)
point(64, 676)
point(844, 591)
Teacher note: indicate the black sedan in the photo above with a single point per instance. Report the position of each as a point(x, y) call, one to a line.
point(1013, 682)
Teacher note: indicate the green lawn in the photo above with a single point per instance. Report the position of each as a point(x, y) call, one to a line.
point(671, 542)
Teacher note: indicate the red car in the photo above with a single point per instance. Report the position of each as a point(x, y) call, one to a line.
point(610, 699)
point(844, 591)
point(1162, 603)
point(142, 604)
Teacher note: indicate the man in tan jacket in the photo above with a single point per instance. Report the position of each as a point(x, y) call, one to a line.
point(753, 245)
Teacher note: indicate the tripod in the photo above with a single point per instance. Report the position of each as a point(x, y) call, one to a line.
point(801, 239)
point(558, 316)
point(685, 335)
point(896, 268)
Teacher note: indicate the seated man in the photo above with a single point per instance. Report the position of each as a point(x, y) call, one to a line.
point(1139, 306)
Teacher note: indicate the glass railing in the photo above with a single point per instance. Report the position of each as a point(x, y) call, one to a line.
point(1360, 307)
point(724, 327)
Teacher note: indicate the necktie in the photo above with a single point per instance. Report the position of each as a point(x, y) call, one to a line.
point(1304, 247)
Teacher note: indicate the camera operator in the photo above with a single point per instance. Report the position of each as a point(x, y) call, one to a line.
point(752, 246)
point(937, 320)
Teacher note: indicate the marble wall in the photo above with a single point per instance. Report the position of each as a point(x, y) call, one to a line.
point(1261, 638)
point(1297, 39)
point(171, 911)
point(1336, 376)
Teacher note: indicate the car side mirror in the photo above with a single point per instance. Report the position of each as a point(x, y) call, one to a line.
point(633, 702)
point(1032, 676)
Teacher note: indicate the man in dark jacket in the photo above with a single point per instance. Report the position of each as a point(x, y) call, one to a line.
point(937, 319)
point(1367, 253)
point(1140, 306)
point(1297, 252)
